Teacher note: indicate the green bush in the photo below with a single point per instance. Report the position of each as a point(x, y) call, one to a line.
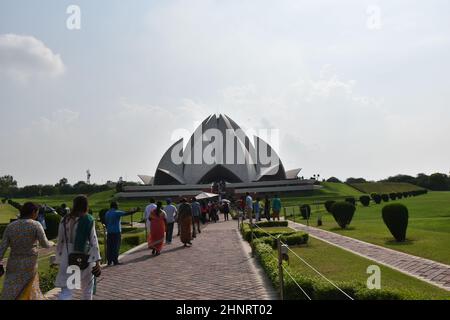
point(395, 216)
point(2, 229)
point(257, 233)
point(399, 195)
point(305, 211)
point(351, 200)
point(393, 196)
point(376, 198)
point(343, 212)
point(134, 240)
point(47, 279)
point(385, 197)
point(365, 200)
point(52, 221)
point(328, 205)
point(294, 239)
point(405, 194)
point(266, 224)
point(317, 288)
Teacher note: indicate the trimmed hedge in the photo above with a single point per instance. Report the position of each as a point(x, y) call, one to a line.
point(365, 200)
point(305, 211)
point(376, 198)
point(295, 239)
point(257, 233)
point(395, 216)
point(393, 196)
point(343, 212)
point(316, 288)
point(134, 240)
point(328, 205)
point(266, 224)
point(385, 197)
point(52, 221)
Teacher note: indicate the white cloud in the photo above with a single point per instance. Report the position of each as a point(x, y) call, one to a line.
point(23, 57)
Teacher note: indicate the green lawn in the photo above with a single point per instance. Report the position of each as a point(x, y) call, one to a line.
point(340, 265)
point(428, 233)
point(385, 187)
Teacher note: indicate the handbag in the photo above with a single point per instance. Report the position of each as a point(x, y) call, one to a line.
point(79, 259)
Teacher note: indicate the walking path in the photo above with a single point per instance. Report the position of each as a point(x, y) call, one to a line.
point(217, 266)
point(430, 271)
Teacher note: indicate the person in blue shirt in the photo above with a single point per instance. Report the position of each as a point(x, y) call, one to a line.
point(114, 232)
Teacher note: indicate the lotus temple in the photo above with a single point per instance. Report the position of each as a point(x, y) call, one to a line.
point(232, 160)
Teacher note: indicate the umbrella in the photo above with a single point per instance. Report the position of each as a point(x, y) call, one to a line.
point(206, 195)
point(226, 200)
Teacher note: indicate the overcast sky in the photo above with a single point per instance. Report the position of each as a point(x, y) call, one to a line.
point(356, 88)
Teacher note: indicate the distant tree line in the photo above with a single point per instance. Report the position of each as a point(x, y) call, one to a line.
point(436, 181)
point(9, 188)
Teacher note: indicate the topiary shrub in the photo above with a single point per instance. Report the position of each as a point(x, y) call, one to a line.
point(351, 200)
point(385, 197)
point(399, 195)
point(395, 216)
point(343, 212)
point(52, 220)
point(376, 198)
point(305, 211)
point(393, 196)
point(265, 224)
point(405, 194)
point(328, 204)
point(365, 200)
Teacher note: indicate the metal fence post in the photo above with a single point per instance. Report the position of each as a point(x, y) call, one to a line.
point(280, 268)
point(251, 238)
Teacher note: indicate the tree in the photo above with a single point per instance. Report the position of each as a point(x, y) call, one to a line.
point(6, 183)
point(63, 182)
point(438, 182)
point(333, 179)
point(355, 180)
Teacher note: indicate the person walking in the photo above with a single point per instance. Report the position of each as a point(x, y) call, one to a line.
point(249, 206)
point(171, 214)
point(147, 211)
point(204, 210)
point(22, 236)
point(157, 229)
point(276, 208)
point(267, 207)
point(77, 240)
point(226, 210)
point(196, 212)
point(256, 209)
point(113, 219)
point(185, 220)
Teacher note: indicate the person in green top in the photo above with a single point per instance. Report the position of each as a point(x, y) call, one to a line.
point(276, 207)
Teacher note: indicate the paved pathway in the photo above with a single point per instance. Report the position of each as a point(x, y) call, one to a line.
point(217, 266)
point(430, 271)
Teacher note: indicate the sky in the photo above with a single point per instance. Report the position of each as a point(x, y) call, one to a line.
point(356, 88)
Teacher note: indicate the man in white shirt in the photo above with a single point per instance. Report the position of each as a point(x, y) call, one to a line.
point(249, 206)
point(171, 214)
point(147, 211)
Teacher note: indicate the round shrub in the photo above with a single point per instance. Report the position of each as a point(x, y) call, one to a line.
point(376, 198)
point(395, 216)
point(405, 194)
point(329, 204)
point(305, 211)
point(52, 220)
point(399, 195)
point(365, 200)
point(385, 197)
point(343, 212)
point(351, 200)
point(392, 196)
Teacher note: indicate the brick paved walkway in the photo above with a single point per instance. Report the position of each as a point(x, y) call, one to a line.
point(217, 266)
point(430, 271)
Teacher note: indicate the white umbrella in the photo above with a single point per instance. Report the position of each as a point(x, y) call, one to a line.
point(206, 195)
point(226, 200)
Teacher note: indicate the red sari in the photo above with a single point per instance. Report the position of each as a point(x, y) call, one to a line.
point(157, 230)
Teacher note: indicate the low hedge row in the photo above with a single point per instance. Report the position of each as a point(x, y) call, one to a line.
point(266, 224)
point(294, 239)
point(315, 287)
point(257, 233)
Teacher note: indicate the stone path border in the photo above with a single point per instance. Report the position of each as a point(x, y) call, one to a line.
point(433, 272)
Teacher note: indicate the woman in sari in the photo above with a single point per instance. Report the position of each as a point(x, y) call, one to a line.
point(157, 229)
point(185, 220)
point(22, 236)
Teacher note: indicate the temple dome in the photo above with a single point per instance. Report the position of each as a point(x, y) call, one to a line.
point(236, 162)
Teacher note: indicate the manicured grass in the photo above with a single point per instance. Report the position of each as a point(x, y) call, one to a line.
point(385, 187)
point(428, 233)
point(340, 265)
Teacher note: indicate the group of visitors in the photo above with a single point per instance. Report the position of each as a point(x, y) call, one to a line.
point(259, 208)
point(77, 245)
